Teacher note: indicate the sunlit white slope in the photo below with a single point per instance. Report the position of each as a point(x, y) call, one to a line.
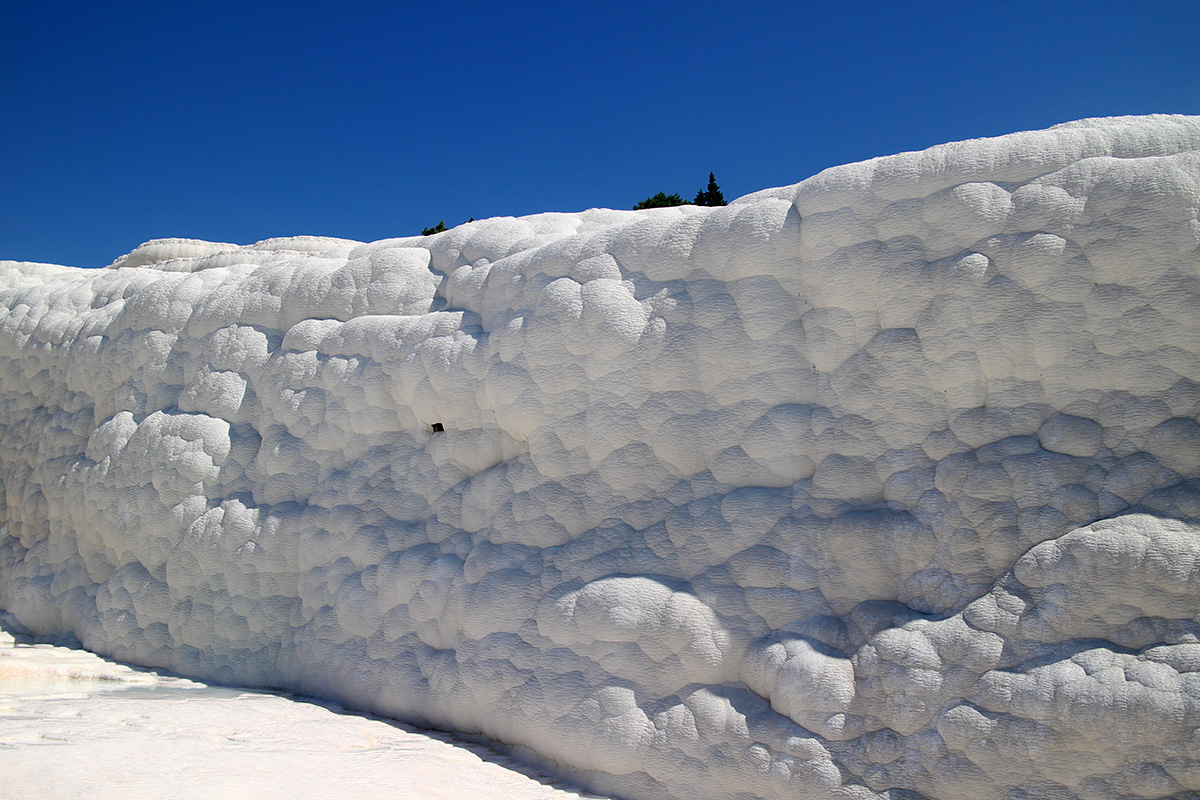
point(885, 480)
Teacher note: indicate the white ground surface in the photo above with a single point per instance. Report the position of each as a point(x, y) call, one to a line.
point(73, 724)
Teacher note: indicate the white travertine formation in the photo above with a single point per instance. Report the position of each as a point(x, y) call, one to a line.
point(884, 484)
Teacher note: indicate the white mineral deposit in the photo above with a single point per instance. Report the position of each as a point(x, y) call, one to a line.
point(881, 485)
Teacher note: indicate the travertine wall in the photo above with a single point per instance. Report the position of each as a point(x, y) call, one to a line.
point(883, 481)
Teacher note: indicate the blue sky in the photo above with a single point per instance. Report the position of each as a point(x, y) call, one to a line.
point(238, 121)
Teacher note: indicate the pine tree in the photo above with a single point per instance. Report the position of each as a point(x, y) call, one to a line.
point(441, 226)
point(712, 195)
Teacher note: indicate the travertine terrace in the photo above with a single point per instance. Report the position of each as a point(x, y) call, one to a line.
point(883, 484)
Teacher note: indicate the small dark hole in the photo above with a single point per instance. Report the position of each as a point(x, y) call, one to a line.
point(437, 427)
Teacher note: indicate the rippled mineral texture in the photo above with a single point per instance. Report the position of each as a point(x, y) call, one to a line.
point(884, 484)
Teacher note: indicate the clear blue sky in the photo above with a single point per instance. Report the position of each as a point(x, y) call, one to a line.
point(237, 121)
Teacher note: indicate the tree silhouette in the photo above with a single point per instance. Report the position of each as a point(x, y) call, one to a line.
point(712, 195)
point(661, 200)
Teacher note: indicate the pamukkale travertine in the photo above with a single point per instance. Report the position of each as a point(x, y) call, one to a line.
point(883, 482)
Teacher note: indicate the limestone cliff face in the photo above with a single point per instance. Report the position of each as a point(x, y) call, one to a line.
point(887, 480)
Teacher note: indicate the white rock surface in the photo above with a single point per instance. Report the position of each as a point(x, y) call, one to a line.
point(884, 484)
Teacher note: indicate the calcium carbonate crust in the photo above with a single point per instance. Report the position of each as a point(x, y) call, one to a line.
point(884, 484)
